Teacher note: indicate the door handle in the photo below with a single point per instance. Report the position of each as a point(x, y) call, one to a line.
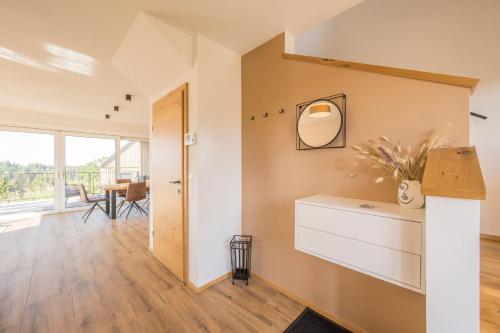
point(174, 182)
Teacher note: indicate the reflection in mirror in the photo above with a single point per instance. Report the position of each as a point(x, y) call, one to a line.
point(319, 124)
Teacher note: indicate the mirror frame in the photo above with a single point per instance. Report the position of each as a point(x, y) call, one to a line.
point(339, 141)
point(334, 107)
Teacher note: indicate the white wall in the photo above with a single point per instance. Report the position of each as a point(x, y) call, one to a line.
point(154, 52)
point(52, 121)
point(459, 37)
point(214, 98)
point(219, 156)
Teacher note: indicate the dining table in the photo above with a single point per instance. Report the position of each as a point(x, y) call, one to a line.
point(110, 191)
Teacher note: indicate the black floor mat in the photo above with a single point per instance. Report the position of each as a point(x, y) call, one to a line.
point(310, 321)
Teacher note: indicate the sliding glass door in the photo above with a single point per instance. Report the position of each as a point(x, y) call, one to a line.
point(27, 171)
point(89, 161)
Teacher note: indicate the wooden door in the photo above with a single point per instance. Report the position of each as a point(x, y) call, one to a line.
point(168, 166)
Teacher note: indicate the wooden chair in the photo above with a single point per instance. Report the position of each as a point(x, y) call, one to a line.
point(135, 192)
point(94, 200)
point(122, 193)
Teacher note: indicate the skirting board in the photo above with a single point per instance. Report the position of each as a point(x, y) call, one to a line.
point(490, 237)
point(302, 301)
point(209, 284)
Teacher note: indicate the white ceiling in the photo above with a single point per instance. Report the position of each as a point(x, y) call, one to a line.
point(55, 55)
point(154, 54)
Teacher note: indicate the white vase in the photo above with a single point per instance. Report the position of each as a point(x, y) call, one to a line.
point(409, 194)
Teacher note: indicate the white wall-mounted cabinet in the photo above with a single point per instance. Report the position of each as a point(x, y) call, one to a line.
point(433, 251)
point(379, 239)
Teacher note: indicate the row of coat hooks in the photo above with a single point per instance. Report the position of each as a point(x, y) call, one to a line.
point(266, 114)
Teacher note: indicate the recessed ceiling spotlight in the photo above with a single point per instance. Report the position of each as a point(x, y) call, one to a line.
point(107, 116)
point(128, 97)
point(116, 108)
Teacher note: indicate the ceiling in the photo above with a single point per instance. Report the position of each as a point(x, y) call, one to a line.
point(55, 55)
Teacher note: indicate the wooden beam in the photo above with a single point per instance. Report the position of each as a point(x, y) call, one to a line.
point(460, 81)
point(454, 173)
point(495, 238)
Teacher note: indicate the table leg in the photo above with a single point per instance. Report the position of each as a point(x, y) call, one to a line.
point(107, 202)
point(113, 204)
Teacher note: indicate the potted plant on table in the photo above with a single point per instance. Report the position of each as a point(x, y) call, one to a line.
point(404, 165)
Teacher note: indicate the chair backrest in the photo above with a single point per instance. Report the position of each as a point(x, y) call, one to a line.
point(136, 191)
point(123, 181)
point(83, 193)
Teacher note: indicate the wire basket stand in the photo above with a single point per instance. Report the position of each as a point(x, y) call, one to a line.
point(241, 257)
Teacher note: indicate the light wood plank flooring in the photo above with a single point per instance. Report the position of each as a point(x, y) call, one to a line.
point(58, 274)
point(490, 286)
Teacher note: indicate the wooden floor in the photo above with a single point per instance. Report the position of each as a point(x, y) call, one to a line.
point(490, 286)
point(61, 275)
point(58, 274)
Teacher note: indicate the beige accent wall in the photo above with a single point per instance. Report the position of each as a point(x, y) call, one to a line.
point(275, 173)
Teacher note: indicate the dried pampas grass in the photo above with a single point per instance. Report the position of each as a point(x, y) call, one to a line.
point(401, 163)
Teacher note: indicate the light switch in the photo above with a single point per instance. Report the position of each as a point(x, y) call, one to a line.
point(190, 139)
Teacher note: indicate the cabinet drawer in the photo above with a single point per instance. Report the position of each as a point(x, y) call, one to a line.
point(374, 260)
point(385, 231)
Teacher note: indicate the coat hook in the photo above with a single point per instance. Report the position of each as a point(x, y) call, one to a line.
point(265, 115)
point(252, 118)
point(478, 115)
point(282, 111)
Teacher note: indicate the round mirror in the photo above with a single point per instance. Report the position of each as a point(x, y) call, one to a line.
point(319, 124)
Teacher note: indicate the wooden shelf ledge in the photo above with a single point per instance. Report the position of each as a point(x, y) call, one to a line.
point(460, 81)
point(454, 173)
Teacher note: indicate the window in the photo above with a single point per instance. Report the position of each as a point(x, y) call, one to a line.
point(27, 173)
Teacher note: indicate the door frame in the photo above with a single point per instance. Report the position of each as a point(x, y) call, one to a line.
point(185, 176)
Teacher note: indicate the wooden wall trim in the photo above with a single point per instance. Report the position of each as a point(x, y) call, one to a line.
point(454, 173)
point(185, 176)
point(495, 238)
point(460, 81)
point(208, 284)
